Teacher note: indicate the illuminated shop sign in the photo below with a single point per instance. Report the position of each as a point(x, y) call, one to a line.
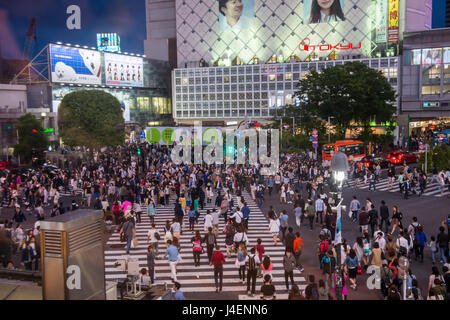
point(306, 46)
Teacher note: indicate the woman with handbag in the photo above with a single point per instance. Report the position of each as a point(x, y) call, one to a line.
point(197, 249)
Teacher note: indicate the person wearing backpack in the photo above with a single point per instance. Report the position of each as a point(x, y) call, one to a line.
point(322, 249)
point(210, 240)
point(289, 264)
point(310, 213)
point(387, 277)
point(328, 264)
point(218, 260)
point(311, 290)
point(284, 218)
point(152, 238)
point(197, 249)
point(420, 241)
point(240, 261)
point(252, 262)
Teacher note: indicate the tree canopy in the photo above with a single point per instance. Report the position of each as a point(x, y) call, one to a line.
point(348, 92)
point(31, 137)
point(91, 118)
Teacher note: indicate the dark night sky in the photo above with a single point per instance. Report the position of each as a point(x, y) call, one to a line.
point(125, 17)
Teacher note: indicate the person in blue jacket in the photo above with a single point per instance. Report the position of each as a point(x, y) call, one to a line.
point(420, 240)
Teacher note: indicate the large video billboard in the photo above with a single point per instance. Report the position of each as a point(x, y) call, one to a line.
point(225, 29)
point(74, 65)
point(124, 70)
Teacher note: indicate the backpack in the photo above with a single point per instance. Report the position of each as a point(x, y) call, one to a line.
point(241, 256)
point(324, 247)
point(314, 293)
point(211, 239)
point(251, 264)
point(157, 236)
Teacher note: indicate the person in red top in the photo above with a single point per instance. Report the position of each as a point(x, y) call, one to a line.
point(217, 259)
point(298, 247)
point(260, 249)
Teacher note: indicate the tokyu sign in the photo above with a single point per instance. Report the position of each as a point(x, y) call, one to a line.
point(306, 46)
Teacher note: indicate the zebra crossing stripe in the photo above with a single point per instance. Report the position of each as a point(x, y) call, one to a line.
point(186, 272)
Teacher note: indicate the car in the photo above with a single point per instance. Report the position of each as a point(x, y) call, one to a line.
point(369, 161)
point(5, 165)
point(401, 157)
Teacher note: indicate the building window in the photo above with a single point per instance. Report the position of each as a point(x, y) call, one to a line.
point(288, 76)
point(431, 75)
point(226, 79)
point(431, 90)
point(272, 77)
point(431, 57)
point(185, 81)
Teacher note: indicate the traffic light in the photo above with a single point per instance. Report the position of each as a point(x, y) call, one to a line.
point(139, 151)
point(9, 127)
point(34, 131)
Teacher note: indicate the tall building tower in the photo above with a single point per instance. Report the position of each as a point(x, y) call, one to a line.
point(161, 30)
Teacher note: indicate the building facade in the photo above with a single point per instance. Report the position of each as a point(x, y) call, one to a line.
point(425, 78)
point(258, 91)
point(251, 68)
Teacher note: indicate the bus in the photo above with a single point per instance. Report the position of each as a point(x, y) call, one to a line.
point(352, 148)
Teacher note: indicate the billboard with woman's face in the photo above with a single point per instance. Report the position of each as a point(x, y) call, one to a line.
point(236, 14)
point(320, 11)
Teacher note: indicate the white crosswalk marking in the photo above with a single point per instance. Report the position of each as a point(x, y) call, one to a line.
point(186, 272)
point(383, 185)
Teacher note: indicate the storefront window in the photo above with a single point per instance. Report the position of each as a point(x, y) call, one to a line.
point(143, 104)
point(446, 73)
point(431, 74)
point(416, 56)
point(431, 56)
point(431, 90)
point(446, 55)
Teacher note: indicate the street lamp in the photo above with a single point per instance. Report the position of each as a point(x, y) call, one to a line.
point(403, 264)
point(339, 167)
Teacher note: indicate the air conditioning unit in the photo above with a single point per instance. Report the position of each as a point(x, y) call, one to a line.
point(72, 255)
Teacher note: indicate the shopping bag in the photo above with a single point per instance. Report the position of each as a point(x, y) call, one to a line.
point(135, 243)
point(359, 270)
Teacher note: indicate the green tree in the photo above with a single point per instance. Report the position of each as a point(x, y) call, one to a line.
point(351, 92)
point(31, 137)
point(91, 118)
point(438, 157)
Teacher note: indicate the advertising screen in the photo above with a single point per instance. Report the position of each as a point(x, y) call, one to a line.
point(220, 30)
point(74, 65)
point(320, 11)
point(124, 70)
point(236, 14)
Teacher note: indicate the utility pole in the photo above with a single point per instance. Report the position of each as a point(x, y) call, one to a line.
point(329, 129)
point(293, 126)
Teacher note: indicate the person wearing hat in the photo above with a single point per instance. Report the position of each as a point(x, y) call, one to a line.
point(177, 294)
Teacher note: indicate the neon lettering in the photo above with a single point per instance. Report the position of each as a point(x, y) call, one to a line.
point(306, 46)
point(327, 47)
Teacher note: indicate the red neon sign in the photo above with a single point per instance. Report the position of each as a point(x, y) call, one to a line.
point(306, 46)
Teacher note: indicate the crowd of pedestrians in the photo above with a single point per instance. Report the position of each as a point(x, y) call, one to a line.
point(122, 181)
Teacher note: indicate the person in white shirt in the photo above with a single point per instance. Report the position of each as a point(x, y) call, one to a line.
point(237, 215)
point(208, 221)
point(215, 221)
point(319, 210)
point(381, 241)
point(403, 244)
point(354, 207)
